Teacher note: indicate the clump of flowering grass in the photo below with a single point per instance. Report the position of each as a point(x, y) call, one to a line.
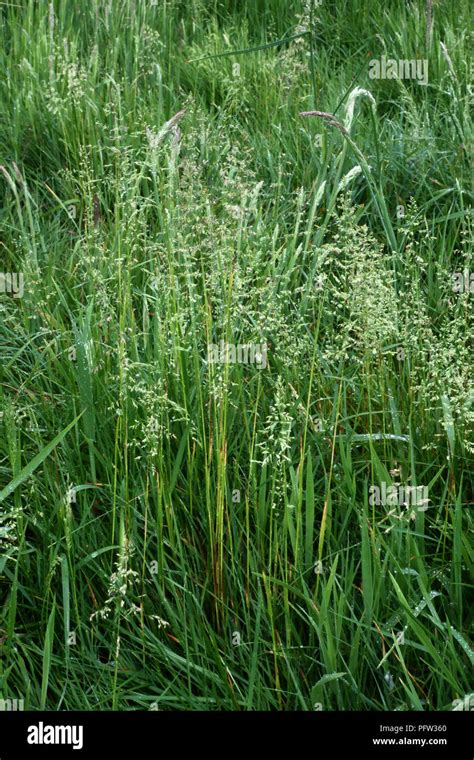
point(204, 528)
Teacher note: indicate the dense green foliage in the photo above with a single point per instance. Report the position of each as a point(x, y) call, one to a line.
point(184, 534)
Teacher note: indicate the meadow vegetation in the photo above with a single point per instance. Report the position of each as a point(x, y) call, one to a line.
point(181, 533)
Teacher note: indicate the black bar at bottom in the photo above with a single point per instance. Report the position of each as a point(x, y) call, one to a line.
point(136, 734)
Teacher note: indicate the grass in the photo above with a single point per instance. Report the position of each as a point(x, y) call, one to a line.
point(194, 535)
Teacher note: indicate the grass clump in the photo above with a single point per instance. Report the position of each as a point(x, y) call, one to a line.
point(185, 532)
